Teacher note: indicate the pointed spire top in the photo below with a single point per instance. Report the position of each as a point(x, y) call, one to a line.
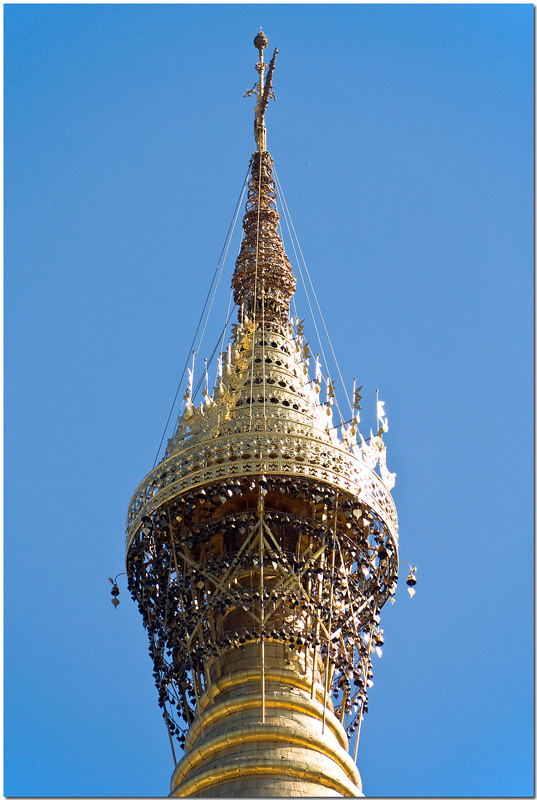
point(263, 281)
point(262, 90)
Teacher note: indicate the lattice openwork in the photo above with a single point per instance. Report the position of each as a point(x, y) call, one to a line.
point(262, 524)
point(268, 558)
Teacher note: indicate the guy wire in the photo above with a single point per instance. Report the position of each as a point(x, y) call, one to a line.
point(287, 217)
point(255, 282)
point(219, 267)
point(216, 347)
point(314, 294)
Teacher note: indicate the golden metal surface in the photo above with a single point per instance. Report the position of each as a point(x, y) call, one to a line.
point(299, 772)
point(262, 91)
point(288, 703)
point(283, 434)
point(261, 549)
point(263, 282)
point(264, 733)
point(287, 677)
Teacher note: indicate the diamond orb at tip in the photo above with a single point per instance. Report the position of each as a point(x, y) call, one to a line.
point(260, 40)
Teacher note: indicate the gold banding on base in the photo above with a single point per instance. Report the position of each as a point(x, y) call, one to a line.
point(285, 676)
point(265, 766)
point(230, 740)
point(288, 702)
point(276, 734)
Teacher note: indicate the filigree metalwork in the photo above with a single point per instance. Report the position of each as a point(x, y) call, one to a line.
point(265, 523)
point(264, 417)
point(263, 282)
point(329, 565)
point(261, 458)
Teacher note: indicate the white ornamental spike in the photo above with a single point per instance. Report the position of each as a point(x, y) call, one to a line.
point(188, 393)
point(387, 477)
point(190, 384)
point(206, 388)
point(370, 452)
point(382, 419)
point(318, 374)
point(352, 431)
point(189, 389)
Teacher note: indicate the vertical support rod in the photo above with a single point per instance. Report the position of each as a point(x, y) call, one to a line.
point(317, 624)
point(172, 539)
point(262, 599)
point(255, 288)
point(327, 670)
point(171, 740)
point(365, 687)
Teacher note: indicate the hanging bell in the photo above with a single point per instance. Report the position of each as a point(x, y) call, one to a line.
point(411, 580)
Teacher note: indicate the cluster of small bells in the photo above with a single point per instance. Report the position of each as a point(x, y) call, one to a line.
point(188, 571)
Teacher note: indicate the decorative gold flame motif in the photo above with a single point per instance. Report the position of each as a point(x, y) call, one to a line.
point(262, 548)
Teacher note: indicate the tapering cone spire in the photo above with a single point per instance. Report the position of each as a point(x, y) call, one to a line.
point(263, 282)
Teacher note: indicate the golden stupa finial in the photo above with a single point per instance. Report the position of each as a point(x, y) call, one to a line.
point(263, 90)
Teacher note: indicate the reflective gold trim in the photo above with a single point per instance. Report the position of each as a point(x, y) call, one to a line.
point(286, 676)
point(307, 706)
point(346, 472)
point(265, 733)
point(266, 766)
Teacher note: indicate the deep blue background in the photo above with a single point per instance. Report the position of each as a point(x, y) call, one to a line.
point(402, 135)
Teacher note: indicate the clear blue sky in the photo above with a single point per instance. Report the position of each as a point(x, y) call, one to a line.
point(402, 135)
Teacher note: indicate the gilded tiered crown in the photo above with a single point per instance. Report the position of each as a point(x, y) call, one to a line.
point(261, 549)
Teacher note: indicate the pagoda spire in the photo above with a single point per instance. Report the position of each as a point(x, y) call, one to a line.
point(263, 282)
point(262, 548)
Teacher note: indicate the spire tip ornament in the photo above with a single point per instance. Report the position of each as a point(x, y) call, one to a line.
point(260, 42)
point(262, 90)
